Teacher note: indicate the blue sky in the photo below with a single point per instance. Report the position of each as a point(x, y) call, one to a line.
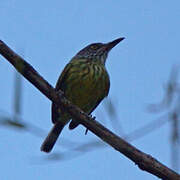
point(48, 34)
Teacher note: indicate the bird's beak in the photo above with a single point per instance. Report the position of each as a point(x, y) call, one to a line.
point(111, 44)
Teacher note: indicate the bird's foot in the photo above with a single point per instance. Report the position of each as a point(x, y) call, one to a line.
point(94, 118)
point(86, 131)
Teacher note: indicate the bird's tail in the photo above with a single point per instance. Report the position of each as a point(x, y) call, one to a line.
point(52, 137)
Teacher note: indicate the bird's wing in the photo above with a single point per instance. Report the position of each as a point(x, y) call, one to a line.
point(60, 85)
point(62, 77)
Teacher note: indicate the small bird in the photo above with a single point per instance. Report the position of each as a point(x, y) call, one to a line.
point(85, 82)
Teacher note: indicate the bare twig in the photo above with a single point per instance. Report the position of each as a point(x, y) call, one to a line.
point(174, 139)
point(144, 161)
point(171, 87)
point(17, 96)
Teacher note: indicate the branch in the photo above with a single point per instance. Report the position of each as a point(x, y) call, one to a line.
point(144, 161)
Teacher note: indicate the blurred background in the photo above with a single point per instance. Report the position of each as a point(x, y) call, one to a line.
point(143, 104)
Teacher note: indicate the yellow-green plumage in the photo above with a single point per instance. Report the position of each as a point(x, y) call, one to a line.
point(85, 82)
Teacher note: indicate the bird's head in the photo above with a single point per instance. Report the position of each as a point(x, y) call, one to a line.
point(97, 51)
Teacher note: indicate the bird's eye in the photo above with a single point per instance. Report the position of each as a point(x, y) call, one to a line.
point(94, 47)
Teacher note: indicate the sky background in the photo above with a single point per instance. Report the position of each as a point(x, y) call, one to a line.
point(48, 34)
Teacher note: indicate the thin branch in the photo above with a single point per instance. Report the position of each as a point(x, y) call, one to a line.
point(146, 129)
point(170, 89)
point(174, 139)
point(144, 161)
point(17, 96)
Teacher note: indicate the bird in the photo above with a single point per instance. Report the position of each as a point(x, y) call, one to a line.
point(85, 82)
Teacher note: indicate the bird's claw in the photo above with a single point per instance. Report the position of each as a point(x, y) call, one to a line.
point(94, 118)
point(86, 131)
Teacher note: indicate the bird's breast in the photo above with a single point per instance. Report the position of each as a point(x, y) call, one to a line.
point(86, 83)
